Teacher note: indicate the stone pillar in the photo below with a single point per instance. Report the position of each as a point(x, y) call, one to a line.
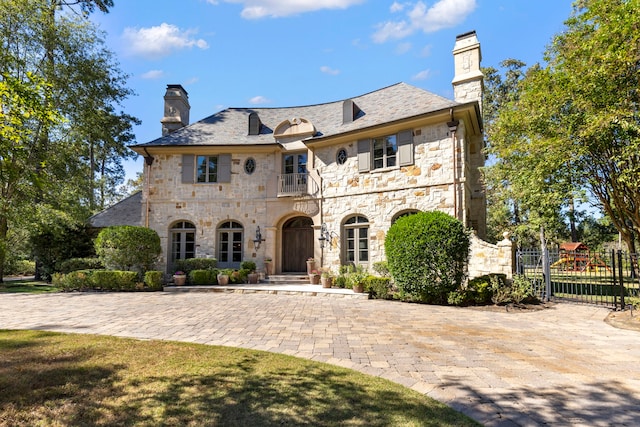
point(176, 109)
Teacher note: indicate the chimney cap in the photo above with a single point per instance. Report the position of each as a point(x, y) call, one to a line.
point(177, 86)
point(466, 35)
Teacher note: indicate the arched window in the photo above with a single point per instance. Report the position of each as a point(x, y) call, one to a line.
point(402, 214)
point(183, 241)
point(356, 240)
point(230, 238)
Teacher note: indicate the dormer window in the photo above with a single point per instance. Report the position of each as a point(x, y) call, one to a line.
point(254, 124)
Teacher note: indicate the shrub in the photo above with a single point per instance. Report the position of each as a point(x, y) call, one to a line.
point(127, 247)
point(75, 281)
point(248, 265)
point(378, 287)
point(74, 264)
point(20, 267)
point(521, 289)
point(153, 279)
point(190, 264)
point(382, 268)
point(114, 280)
point(427, 255)
point(203, 277)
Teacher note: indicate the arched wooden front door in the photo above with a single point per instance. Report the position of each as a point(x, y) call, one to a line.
point(297, 244)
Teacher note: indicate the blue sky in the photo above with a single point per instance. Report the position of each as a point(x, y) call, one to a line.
point(278, 53)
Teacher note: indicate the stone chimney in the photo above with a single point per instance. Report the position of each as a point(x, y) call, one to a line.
point(467, 81)
point(176, 109)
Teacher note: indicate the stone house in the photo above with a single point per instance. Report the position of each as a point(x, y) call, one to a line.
point(320, 181)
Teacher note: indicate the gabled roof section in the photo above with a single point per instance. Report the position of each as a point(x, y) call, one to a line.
point(229, 127)
point(126, 212)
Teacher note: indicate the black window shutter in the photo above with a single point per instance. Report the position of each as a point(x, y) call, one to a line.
point(224, 168)
point(188, 168)
point(405, 148)
point(364, 155)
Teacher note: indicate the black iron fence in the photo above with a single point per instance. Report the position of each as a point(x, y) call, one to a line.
point(604, 278)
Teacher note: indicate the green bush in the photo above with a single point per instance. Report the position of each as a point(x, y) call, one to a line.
point(378, 287)
point(203, 277)
point(248, 265)
point(127, 247)
point(74, 264)
point(190, 264)
point(79, 280)
point(114, 280)
point(20, 267)
point(427, 255)
point(382, 268)
point(153, 279)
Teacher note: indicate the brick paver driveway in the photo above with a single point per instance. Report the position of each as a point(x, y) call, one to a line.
point(559, 366)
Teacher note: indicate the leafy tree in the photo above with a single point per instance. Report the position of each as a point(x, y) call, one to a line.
point(427, 255)
point(62, 148)
point(575, 124)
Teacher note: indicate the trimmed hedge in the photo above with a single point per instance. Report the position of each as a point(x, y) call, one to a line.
point(190, 264)
point(114, 280)
point(378, 287)
point(203, 277)
point(153, 279)
point(427, 255)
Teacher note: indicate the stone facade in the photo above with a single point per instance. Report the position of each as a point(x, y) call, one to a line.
point(344, 198)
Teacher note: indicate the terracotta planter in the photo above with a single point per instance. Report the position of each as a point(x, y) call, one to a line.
point(311, 265)
point(267, 268)
point(327, 282)
point(314, 279)
point(358, 289)
point(223, 279)
point(252, 278)
point(180, 279)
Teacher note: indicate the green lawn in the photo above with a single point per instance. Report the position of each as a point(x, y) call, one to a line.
point(66, 379)
point(26, 286)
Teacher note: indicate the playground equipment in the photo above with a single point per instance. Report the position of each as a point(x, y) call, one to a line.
point(575, 256)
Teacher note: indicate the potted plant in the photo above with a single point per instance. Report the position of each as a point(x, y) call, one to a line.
point(355, 279)
point(326, 279)
point(179, 278)
point(250, 267)
point(314, 277)
point(311, 265)
point(223, 277)
point(267, 266)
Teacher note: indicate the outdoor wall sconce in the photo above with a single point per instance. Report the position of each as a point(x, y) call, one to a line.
point(325, 236)
point(258, 239)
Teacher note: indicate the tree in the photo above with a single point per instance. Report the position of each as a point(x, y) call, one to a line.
point(575, 124)
point(127, 247)
point(67, 161)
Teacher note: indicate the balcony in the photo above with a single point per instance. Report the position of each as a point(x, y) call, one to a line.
point(296, 185)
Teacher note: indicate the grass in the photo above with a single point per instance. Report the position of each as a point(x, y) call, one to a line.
point(26, 286)
point(83, 380)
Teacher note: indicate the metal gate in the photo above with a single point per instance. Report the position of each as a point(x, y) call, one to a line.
point(603, 278)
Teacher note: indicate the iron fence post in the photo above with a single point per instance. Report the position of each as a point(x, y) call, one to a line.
point(621, 279)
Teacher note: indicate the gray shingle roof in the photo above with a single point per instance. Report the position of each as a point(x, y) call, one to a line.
point(230, 126)
point(125, 212)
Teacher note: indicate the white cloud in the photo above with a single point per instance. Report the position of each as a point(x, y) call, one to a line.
point(396, 7)
point(426, 51)
point(153, 74)
point(329, 70)
point(259, 100)
point(160, 41)
point(403, 48)
point(422, 75)
point(443, 14)
point(255, 9)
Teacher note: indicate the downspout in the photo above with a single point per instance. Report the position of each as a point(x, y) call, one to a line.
point(453, 127)
point(148, 160)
